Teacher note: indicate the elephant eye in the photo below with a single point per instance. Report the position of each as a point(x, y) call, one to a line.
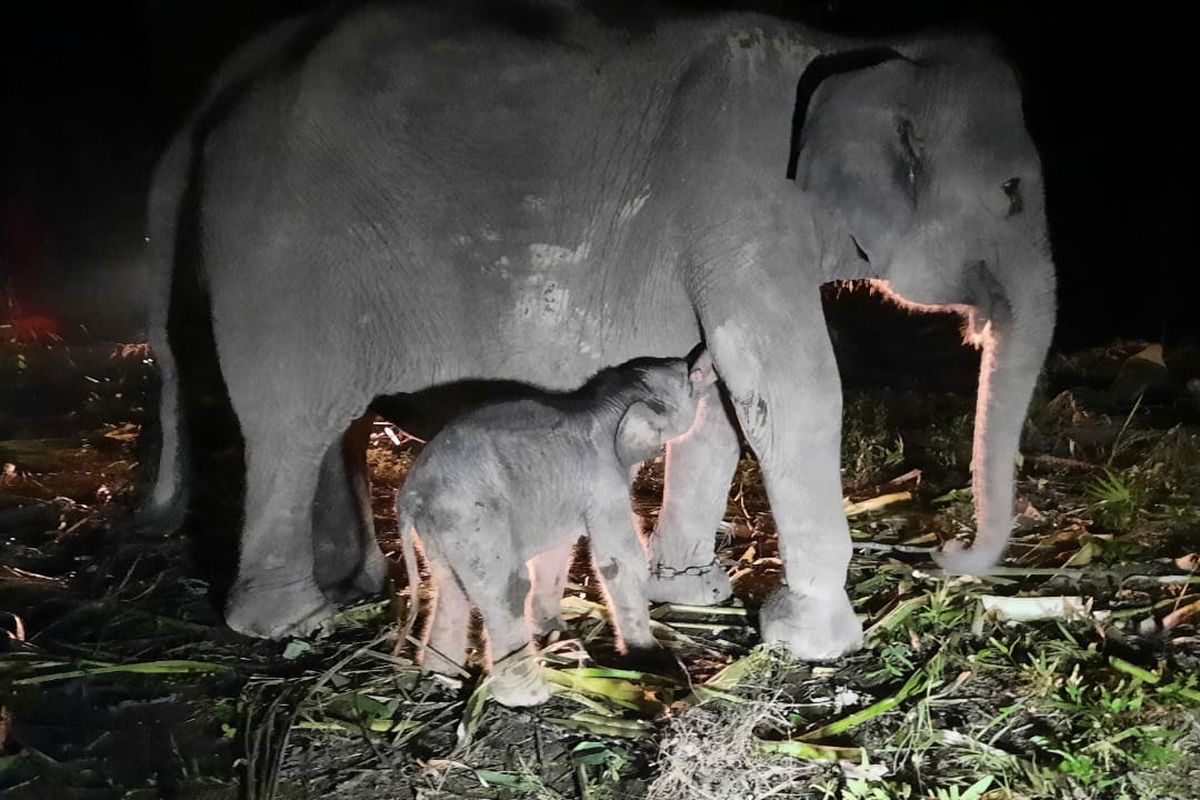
point(1012, 190)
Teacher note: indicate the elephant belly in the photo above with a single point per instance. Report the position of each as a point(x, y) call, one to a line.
point(557, 329)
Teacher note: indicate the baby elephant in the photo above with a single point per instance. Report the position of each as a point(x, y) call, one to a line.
point(502, 494)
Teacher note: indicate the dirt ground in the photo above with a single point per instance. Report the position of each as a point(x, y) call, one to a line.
point(1071, 672)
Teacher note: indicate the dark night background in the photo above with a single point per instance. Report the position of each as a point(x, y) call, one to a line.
point(89, 94)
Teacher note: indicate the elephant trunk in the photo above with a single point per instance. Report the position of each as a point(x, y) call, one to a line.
point(1015, 337)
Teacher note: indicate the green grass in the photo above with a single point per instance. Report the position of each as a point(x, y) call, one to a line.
point(870, 445)
point(944, 703)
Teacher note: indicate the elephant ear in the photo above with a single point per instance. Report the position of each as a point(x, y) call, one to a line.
point(701, 373)
point(640, 433)
point(855, 148)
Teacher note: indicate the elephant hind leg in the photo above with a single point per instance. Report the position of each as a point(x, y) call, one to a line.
point(275, 594)
point(498, 583)
point(347, 560)
point(445, 644)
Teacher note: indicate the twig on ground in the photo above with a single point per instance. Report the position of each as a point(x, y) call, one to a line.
point(875, 503)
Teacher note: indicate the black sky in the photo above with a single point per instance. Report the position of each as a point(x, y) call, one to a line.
point(90, 92)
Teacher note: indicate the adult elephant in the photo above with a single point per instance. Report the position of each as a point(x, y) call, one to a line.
point(396, 201)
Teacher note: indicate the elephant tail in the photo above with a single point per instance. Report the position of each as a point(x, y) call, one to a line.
point(163, 511)
point(176, 279)
point(407, 532)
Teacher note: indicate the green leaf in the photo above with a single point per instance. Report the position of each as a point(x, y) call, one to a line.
point(1134, 670)
point(473, 712)
point(870, 712)
point(376, 726)
point(598, 725)
point(738, 671)
point(16, 768)
point(621, 691)
point(809, 751)
point(518, 783)
point(977, 789)
point(596, 753)
point(175, 667)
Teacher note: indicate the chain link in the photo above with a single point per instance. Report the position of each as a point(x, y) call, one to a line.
point(661, 570)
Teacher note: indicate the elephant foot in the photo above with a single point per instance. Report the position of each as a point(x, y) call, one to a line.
point(517, 680)
point(367, 581)
point(273, 611)
point(707, 589)
point(956, 557)
point(151, 521)
point(820, 626)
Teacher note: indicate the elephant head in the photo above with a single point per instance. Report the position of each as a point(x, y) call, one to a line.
point(930, 186)
point(665, 411)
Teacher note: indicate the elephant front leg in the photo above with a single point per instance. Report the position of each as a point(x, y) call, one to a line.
point(781, 374)
point(699, 468)
point(620, 561)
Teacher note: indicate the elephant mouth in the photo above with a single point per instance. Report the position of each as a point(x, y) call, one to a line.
point(988, 301)
point(858, 249)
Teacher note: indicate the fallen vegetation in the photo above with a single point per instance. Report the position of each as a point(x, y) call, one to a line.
point(1070, 673)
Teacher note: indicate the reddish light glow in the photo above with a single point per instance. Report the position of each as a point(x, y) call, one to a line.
point(33, 328)
point(975, 333)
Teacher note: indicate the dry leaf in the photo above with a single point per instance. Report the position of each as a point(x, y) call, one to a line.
point(1188, 563)
point(912, 475)
point(1181, 615)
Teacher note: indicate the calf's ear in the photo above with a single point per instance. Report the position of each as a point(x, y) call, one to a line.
point(701, 374)
point(639, 434)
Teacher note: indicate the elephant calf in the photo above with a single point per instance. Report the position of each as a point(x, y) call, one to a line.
point(504, 492)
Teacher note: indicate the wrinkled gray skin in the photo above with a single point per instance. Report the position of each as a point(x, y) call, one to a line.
point(412, 200)
point(519, 481)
